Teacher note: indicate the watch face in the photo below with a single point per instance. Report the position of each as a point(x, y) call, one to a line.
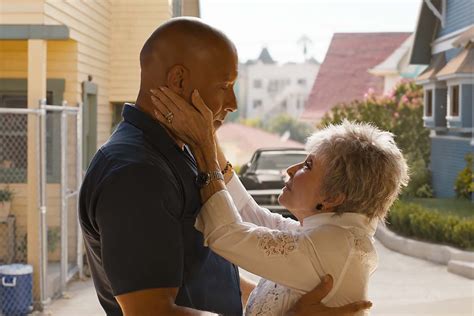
point(202, 179)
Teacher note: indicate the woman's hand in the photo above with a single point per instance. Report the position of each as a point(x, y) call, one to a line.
point(191, 123)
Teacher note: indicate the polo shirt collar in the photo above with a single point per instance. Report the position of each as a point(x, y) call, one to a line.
point(157, 134)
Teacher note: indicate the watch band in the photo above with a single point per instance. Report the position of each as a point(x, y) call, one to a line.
point(216, 175)
point(204, 178)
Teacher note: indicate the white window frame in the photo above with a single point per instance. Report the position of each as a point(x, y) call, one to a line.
point(456, 81)
point(433, 86)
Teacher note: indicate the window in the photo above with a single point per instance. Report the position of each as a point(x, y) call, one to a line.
point(429, 103)
point(14, 140)
point(257, 103)
point(302, 82)
point(454, 101)
point(273, 86)
point(257, 83)
point(117, 109)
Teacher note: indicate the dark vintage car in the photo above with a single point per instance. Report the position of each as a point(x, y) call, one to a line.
point(264, 176)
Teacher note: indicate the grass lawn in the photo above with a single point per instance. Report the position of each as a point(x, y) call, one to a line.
point(464, 208)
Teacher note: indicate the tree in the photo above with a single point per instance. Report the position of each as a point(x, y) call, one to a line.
point(298, 131)
point(400, 112)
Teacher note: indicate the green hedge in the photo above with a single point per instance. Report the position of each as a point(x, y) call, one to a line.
point(413, 220)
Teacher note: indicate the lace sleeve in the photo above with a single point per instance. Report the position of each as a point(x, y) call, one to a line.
point(251, 212)
point(363, 249)
point(284, 257)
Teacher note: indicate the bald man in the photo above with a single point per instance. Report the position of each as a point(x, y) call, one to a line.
point(139, 199)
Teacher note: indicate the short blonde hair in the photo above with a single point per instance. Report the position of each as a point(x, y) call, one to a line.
point(362, 162)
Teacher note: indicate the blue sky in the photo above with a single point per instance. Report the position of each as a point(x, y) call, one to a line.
point(278, 24)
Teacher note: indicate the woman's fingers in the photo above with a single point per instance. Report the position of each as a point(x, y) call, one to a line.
point(169, 104)
point(199, 104)
point(174, 98)
point(159, 105)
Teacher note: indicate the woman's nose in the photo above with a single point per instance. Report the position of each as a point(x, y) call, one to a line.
point(291, 170)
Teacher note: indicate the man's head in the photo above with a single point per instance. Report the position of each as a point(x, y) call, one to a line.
point(186, 54)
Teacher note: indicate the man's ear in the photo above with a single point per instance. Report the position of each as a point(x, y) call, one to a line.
point(177, 78)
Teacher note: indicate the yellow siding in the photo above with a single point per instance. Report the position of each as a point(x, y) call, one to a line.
point(21, 11)
point(131, 26)
point(61, 64)
point(19, 207)
point(191, 8)
point(89, 25)
point(13, 59)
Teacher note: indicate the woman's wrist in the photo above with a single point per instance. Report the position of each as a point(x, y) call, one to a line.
point(206, 157)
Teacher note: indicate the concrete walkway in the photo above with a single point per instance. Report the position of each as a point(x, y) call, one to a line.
point(401, 286)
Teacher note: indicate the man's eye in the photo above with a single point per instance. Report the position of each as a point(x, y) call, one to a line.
point(307, 165)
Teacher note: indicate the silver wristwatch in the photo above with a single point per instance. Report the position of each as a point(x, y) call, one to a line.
point(204, 178)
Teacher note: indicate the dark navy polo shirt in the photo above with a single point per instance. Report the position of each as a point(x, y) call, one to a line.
point(137, 208)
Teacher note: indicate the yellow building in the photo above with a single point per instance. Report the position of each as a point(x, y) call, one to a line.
point(77, 51)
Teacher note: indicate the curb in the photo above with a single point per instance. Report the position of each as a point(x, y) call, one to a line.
point(458, 261)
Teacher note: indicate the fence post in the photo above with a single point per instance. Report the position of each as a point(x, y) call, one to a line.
point(42, 201)
point(80, 241)
point(63, 274)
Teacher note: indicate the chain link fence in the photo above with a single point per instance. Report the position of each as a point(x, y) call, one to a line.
point(38, 217)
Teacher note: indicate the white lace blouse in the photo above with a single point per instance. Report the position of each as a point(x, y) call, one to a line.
point(291, 258)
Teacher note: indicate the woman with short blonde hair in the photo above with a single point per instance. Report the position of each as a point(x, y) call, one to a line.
point(350, 178)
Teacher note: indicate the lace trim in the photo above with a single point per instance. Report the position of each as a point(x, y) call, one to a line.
point(364, 249)
point(277, 243)
point(266, 299)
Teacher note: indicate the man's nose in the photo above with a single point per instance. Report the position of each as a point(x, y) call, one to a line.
point(231, 104)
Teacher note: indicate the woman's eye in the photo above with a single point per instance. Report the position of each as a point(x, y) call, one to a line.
point(307, 165)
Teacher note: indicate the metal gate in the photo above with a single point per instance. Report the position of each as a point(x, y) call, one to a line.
point(54, 245)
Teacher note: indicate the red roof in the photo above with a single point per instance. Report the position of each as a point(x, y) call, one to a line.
point(239, 142)
point(344, 75)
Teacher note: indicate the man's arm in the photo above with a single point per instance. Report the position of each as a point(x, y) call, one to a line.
point(246, 286)
point(153, 302)
point(141, 240)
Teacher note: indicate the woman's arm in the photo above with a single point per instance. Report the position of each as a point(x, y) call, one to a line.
point(249, 209)
point(285, 257)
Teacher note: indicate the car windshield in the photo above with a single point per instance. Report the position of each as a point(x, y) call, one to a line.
point(278, 161)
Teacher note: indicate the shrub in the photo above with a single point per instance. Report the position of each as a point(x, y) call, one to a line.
point(6, 195)
point(413, 220)
point(464, 185)
point(400, 112)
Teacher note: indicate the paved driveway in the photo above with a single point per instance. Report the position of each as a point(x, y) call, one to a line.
point(401, 286)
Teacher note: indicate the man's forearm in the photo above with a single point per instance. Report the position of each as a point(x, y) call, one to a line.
point(246, 287)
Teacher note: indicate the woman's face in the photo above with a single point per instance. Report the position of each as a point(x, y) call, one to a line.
point(301, 193)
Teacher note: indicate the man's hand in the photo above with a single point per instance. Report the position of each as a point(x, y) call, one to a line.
point(310, 303)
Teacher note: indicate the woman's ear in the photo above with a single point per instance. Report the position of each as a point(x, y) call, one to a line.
point(177, 79)
point(334, 200)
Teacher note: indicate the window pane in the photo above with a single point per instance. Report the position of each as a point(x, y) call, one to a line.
point(257, 83)
point(429, 103)
point(455, 101)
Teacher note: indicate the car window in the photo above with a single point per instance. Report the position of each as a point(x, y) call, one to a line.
point(278, 161)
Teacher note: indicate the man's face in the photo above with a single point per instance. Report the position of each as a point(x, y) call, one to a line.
point(215, 83)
